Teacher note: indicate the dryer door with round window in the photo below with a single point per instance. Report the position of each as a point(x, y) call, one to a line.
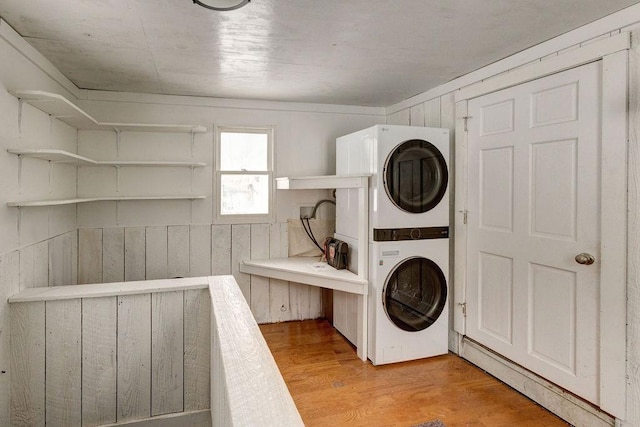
point(416, 176)
point(414, 294)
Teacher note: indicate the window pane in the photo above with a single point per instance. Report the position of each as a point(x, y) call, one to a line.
point(243, 151)
point(244, 194)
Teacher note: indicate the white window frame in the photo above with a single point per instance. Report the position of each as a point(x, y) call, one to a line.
point(217, 193)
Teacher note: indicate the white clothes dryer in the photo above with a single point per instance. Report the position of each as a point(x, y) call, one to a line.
point(409, 168)
point(408, 300)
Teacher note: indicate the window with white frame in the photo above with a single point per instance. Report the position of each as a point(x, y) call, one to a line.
point(244, 173)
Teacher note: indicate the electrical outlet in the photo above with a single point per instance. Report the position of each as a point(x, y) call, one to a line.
point(306, 211)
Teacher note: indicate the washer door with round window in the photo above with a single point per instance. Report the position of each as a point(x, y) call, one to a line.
point(414, 294)
point(416, 176)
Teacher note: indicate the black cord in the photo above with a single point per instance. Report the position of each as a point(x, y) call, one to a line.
point(310, 233)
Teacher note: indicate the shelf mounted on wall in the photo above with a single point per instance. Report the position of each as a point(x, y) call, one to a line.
point(68, 158)
point(61, 108)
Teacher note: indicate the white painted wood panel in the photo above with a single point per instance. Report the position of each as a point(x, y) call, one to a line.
point(178, 251)
point(61, 259)
point(315, 302)
point(124, 257)
point(90, 260)
point(34, 266)
point(40, 264)
point(27, 267)
point(28, 364)
point(299, 300)
point(9, 284)
point(197, 349)
point(448, 121)
point(109, 351)
point(73, 236)
point(63, 363)
point(112, 255)
point(460, 218)
point(99, 370)
point(199, 250)
point(260, 285)
point(240, 356)
point(432, 113)
point(614, 232)
point(241, 250)
point(220, 249)
point(402, 117)
point(417, 115)
point(346, 315)
point(279, 305)
point(134, 253)
point(156, 252)
point(134, 357)
point(633, 242)
point(167, 359)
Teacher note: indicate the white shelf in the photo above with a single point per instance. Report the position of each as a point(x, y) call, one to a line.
point(63, 109)
point(152, 164)
point(57, 202)
point(308, 270)
point(57, 156)
point(322, 182)
point(61, 156)
point(57, 293)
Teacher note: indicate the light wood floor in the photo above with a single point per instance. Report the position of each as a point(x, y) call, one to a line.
point(332, 387)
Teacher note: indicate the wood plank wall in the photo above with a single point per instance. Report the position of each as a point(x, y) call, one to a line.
point(137, 253)
point(160, 252)
point(50, 262)
point(96, 361)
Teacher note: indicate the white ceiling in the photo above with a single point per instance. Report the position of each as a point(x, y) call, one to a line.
point(351, 52)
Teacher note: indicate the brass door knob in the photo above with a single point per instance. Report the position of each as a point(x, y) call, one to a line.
point(585, 259)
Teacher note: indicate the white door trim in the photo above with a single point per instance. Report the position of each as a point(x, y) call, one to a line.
point(613, 233)
point(570, 59)
point(460, 220)
point(614, 53)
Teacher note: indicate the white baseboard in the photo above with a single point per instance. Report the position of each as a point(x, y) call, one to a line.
point(562, 403)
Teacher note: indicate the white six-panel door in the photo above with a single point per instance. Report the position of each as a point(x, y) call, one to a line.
point(534, 207)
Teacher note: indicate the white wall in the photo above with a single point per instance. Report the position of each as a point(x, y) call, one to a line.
point(304, 145)
point(38, 247)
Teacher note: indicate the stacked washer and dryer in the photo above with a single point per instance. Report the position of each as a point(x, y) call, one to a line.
point(408, 240)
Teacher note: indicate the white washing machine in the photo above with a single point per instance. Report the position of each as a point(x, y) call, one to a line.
point(409, 168)
point(408, 300)
point(408, 239)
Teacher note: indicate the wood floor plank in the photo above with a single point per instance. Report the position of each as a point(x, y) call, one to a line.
point(331, 386)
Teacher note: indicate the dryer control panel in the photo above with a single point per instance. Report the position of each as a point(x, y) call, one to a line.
point(397, 234)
